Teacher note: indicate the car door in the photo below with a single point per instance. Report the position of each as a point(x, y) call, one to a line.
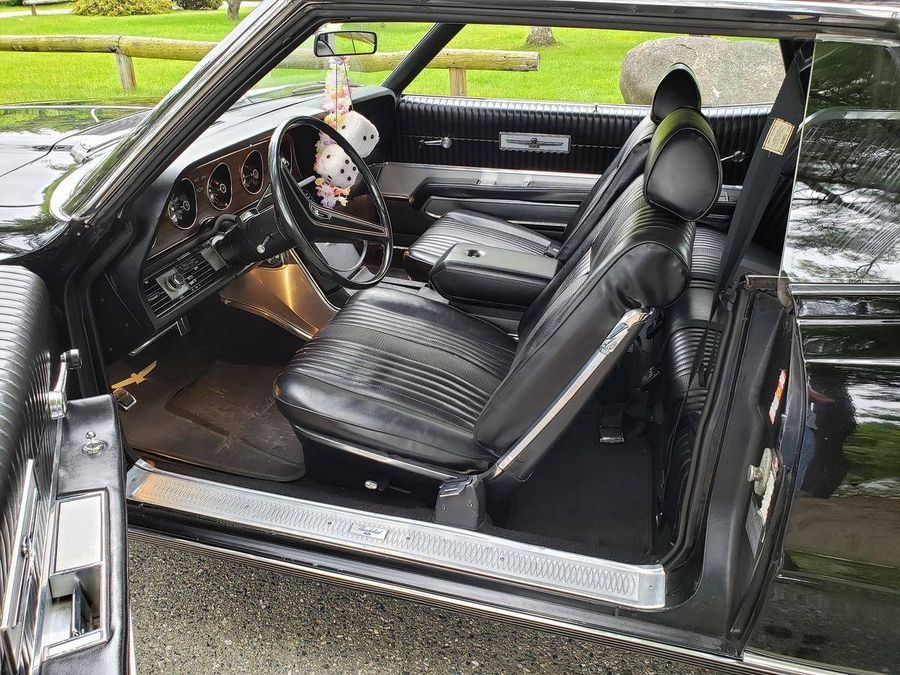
point(505, 151)
point(62, 515)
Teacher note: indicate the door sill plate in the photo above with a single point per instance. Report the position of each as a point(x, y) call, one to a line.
point(486, 556)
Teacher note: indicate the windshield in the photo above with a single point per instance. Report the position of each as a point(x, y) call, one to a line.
point(301, 72)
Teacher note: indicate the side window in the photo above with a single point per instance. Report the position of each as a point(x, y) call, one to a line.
point(597, 66)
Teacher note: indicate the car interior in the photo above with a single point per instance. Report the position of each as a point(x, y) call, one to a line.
point(493, 339)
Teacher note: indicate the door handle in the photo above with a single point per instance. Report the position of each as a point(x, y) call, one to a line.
point(444, 142)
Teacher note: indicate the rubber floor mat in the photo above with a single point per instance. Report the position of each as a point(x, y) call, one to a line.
point(213, 414)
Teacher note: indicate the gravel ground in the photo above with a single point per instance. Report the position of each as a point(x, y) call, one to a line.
point(199, 615)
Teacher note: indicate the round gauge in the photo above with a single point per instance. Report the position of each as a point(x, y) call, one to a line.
point(252, 173)
point(286, 150)
point(218, 188)
point(182, 206)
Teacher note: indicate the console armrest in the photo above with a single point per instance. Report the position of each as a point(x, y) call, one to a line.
point(491, 277)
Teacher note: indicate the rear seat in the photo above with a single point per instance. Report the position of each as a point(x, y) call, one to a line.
point(685, 323)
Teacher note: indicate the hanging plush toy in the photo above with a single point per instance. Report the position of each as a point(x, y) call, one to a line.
point(337, 172)
point(360, 133)
point(333, 165)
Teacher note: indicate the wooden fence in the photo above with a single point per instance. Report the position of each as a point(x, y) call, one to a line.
point(127, 48)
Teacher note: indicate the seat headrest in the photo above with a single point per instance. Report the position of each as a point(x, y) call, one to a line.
point(683, 174)
point(677, 89)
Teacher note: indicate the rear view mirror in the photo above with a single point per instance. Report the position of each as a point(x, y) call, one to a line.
point(345, 43)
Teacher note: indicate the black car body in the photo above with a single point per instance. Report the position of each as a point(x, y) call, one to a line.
point(807, 369)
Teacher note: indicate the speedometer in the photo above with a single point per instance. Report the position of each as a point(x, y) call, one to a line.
point(182, 206)
point(252, 173)
point(218, 188)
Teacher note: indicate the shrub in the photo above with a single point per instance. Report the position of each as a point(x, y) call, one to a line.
point(122, 7)
point(198, 4)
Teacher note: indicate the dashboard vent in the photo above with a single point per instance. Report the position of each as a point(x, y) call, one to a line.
point(198, 273)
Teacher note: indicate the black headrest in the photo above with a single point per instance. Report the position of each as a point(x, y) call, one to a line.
point(683, 174)
point(677, 89)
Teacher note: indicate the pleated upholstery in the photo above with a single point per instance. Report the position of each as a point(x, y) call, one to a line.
point(407, 371)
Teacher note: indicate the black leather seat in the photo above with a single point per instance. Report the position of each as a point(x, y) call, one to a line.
point(400, 381)
point(677, 89)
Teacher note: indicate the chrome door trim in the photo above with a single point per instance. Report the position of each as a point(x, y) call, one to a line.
point(404, 540)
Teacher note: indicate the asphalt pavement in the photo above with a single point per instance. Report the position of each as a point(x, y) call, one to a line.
point(194, 614)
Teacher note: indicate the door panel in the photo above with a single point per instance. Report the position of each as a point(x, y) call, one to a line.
point(419, 193)
point(62, 528)
point(596, 133)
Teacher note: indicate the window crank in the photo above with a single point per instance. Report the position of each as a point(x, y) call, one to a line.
point(444, 142)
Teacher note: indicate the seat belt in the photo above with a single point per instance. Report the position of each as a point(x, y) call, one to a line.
point(766, 167)
point(781, 128)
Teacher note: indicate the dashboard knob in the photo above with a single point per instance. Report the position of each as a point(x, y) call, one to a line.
point(175, 281)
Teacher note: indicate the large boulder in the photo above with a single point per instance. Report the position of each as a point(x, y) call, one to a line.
point(729, 71)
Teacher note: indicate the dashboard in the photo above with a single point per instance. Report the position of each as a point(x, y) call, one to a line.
point(171, 264)
point(228, 184)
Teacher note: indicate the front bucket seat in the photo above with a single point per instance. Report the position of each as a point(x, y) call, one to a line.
point(400, 384)
point(677, 89)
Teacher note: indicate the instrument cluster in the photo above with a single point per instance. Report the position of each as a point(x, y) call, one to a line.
point(226, 185)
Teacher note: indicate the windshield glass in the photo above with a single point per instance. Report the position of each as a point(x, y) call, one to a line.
point(301, 71)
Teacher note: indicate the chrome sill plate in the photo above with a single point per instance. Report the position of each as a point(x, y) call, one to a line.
point(639, 586)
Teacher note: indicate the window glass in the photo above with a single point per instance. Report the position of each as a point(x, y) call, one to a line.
point(844, 224)
point(598, 66)
point(301, 70)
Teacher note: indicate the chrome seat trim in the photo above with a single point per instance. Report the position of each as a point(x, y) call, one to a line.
point(378, 456)
point(627, 327)
point(638, 586)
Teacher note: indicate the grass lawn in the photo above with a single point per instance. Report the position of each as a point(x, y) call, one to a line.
point(584, 66)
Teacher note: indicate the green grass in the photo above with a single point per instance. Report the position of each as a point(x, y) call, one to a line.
point(584, 66)
point(58, 77)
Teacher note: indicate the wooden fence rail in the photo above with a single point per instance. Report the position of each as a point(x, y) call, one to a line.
point(126, 48)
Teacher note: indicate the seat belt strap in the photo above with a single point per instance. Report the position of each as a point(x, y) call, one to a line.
point(779, 135)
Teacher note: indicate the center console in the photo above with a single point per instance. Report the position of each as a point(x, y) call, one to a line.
point(493, 283)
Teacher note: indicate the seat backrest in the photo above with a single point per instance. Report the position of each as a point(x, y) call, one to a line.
point(638, 256)
point(677, 89)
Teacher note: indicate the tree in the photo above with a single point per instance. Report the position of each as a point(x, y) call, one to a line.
point(540, 36)
point(234, 7)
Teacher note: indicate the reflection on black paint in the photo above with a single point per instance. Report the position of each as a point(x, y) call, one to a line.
point(845, 215)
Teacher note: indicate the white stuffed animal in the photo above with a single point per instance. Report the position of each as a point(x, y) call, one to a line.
point(333, 164)
point(359, 132)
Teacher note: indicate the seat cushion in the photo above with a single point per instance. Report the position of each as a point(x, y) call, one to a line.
point(399, 373)
point(469, 227)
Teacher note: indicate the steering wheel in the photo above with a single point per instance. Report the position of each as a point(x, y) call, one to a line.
point(306, 223)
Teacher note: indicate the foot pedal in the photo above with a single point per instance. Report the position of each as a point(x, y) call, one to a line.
point(124, 398)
